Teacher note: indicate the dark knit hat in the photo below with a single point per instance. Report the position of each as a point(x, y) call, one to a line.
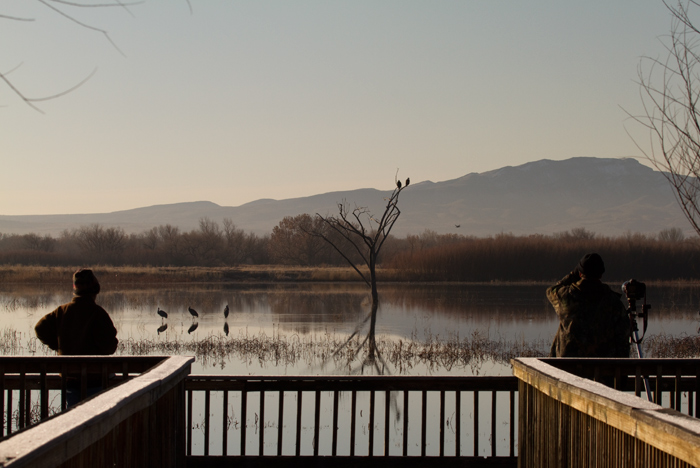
point(85, 283)
point(591, 265)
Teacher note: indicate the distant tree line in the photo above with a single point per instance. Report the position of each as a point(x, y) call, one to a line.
point(427, 256)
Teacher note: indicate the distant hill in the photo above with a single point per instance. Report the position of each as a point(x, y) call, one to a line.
point(606, 196)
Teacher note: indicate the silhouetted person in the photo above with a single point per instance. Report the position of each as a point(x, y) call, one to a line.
point(80, 327)
point(593, 321)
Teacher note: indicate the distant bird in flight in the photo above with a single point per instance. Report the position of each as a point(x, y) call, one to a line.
point(398, 183)
point(193, 327)
point(408, 181)
point(162, 328)
point(457, 225)
point(193, 312)
point(162, 313)
point(226, 311)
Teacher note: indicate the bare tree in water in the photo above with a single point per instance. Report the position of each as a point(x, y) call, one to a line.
point(358, 236)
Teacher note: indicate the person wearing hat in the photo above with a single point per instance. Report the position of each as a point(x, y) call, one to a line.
point(593, 321)
point(80, 327)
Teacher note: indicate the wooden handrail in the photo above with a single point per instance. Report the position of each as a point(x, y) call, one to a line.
point(560, 412)
point(84, 431)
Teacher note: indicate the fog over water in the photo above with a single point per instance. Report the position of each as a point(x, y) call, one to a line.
point(316, 312)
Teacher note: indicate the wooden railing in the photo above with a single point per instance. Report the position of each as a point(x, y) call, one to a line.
point(139, 423)
point(34, 388)
point(370, 420)
point(571, 420)
point(674, 383)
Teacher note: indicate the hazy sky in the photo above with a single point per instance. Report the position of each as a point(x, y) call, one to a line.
point(241, 100)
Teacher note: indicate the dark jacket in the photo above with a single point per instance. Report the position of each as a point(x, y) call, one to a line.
point(80, 327)
point(593, 321)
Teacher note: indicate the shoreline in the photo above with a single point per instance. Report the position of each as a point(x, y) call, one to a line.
point(255, 274)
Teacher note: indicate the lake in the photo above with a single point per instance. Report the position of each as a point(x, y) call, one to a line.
point(295, 318)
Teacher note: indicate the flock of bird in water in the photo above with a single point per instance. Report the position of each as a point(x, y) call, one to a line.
point(164, 315)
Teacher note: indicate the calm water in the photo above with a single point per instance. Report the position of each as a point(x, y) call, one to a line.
point(313, 311)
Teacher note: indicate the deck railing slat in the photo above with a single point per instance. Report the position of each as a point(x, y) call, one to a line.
point(317, 419)
point(476, 423)
point(224, 424)
point(207, 425)
point(512, 423)
point(458, 423)
point(371, 422)
point(244, 419)
point(405, 423)
point(9, 412)
point(442, 423)
point(353, 422)
point(493, 423)
point(423, 423)
point(334, 449)
point(43, 393)
point(261, 445)
point(189, 423)
point(280, 424)
point(22, 399)
point(297, 450)
point(387, 419)
point(2, 400)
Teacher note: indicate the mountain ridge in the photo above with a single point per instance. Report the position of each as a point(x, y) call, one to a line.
point(604, 195)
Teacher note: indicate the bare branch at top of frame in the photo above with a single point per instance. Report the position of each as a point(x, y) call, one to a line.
point(15, 18)
point(30, 101)
point(80, 23)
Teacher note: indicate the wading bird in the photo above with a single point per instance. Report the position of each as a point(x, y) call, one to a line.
point(226, 311)
point(193, 312)
point(162, 313)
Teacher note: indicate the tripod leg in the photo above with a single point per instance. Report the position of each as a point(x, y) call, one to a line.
point(638, 346)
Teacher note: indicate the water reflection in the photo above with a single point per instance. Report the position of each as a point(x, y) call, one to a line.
point(301, 313)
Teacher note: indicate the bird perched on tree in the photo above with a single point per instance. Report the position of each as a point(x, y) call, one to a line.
point(408, 181)
point(162, 313)
point(226, 311)
point(398, 183)
point(193, 312)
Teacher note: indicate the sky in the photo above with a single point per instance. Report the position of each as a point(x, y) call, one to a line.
point(234, 101)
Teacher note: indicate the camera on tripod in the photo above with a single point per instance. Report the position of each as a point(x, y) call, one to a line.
point(635, 290)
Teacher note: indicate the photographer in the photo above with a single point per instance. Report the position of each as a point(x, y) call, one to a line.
point(593, 321)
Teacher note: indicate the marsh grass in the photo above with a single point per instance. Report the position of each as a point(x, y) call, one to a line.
point(18, 274)
point(325, 351)
point(668, 346)
point(320, 351)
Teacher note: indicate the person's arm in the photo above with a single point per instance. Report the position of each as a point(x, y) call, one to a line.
point(46, 330)
point(552, 291)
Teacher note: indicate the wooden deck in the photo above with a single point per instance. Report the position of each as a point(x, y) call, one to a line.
point(552, 412)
